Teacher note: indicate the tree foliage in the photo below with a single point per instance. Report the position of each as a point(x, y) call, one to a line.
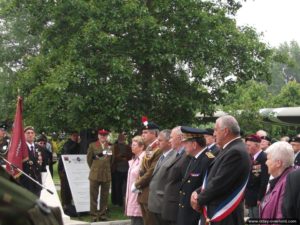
point(107, 63)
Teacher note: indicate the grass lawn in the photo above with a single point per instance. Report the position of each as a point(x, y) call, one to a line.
point(115, 212)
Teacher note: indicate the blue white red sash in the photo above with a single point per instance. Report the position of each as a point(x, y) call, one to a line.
point(228, 205)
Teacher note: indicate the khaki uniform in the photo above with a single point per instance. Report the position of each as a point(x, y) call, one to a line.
point(21, 207)
point(148, 164)
point(100, 176)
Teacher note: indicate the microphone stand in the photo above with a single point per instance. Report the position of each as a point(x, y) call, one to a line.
point(26, 175)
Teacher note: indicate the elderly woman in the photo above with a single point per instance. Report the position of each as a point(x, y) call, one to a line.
point(280, 157)
point(132, 207)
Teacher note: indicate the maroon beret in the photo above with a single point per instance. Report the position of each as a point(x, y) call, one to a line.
point(253, 138)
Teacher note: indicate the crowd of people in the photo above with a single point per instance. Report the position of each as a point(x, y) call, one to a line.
point(183, 176)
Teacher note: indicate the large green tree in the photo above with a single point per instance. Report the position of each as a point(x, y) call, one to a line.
point(286, 67)
point(107, 63)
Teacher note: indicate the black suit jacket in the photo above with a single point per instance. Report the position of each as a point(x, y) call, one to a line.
point(192, 180)
point(297, 160)
point(33, 169)
point(174, 178)
point(226, 173)
point(291, 199)
point(258, 181)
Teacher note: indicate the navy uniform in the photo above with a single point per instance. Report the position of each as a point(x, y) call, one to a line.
point(258, 180)
point(193, 177)
point(295, 142)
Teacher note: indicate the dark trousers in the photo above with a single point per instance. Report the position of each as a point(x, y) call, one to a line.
point(65, 191)
point(118, 187)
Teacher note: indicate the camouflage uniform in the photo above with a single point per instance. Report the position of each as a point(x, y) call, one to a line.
point(18, 206)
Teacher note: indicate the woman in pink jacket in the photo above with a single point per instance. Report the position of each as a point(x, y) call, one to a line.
point(132, 207)
point(280, 158)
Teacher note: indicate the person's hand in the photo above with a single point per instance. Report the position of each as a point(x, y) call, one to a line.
point(194, 202)
point(134, 189)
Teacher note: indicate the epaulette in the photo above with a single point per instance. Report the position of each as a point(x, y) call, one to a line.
point(210, 155)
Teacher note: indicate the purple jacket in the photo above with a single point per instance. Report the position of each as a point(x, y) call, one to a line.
point(270, 207)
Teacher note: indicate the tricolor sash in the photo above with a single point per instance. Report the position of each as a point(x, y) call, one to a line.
point(227, 206)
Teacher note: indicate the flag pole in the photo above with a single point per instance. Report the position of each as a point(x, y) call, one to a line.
point(25, 174)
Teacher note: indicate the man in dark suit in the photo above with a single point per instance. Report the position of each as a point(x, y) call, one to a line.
point(295, 142)
point(34, 165)
point(158, 181)
point(211, 141)
point(291, 199)
point(259, 177)
point(175, 172)
point(195, 147)
point(227, 176)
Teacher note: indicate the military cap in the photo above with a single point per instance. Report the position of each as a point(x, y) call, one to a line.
point(295, 139)
point(253, 138)
point(103, 132)
point(41, 137)
point(190, 133)
point(266, 138)
point(209, 131)
point(3, 126)
point(29, 128)
point(150, 126)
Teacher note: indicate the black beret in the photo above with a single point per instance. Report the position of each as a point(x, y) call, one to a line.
point(3, 126)
point(209, 131)
point(41, 137)
point(150, 126)
point(266, 138)
point(191, 133)
point(295, 139)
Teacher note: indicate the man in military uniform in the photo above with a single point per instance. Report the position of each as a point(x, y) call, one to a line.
point(195, 147)
point(295, 142)
point(99, 160)
point(21, 207)
point(150, 133)
point(259, 177)
point(34, 165)
point(211, 141)
point(4, 141)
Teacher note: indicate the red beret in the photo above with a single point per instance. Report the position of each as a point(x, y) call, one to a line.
point(103, 132)
point(253, 138)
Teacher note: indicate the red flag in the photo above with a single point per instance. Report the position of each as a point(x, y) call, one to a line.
point(17, 152)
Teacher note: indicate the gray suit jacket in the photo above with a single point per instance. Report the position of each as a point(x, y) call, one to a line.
point(157, 184)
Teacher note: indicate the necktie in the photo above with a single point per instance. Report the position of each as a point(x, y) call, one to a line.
point(32, 151)
point(161, 158)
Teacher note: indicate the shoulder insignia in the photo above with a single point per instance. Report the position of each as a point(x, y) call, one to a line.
point(210, 155)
